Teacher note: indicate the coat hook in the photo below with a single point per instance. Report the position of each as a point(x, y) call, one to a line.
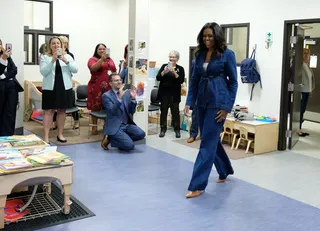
point(255, 47)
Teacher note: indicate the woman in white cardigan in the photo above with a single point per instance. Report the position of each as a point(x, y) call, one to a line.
point(308, 84)
point(56, 68)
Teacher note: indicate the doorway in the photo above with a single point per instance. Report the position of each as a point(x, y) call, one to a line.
point(297, 36)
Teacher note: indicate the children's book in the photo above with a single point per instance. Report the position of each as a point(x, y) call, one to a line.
point(10, 154)
point(53, 158)
point(14, 142)
point(16, 163)
point(36, 151)
point(18, 138)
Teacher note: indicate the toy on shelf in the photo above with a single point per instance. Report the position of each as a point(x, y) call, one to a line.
point(266, 119)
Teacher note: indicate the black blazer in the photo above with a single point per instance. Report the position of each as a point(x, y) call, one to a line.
point(169, 84)
point(11, 73)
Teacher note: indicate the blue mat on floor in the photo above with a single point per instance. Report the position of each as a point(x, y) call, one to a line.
point(145, 190)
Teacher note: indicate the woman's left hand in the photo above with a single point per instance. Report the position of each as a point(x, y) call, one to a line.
point(64, 59)
point(221, 115)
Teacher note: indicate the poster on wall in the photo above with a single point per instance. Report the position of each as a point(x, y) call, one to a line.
point(142, 47)
point(141, 89)
point(141, 66)
point(130, 78)
point(140, 106)
point(130, 61)
point(131, 44)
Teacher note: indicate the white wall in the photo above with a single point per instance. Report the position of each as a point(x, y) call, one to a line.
point(121, 31)
point(313, 32)
point(88, 23)
point(12, 32)
point(175, 24)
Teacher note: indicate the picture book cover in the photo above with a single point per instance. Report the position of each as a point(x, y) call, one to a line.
point(47, 158)
point(17, 163)
point(5, 139)
point(27, 143)
point(35, 151)
point(5, 145)
point(10, 154)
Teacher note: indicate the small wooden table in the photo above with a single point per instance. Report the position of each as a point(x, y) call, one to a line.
point(265, 134)
point(34, 176)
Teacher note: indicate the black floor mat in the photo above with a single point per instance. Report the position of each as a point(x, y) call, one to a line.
point(78, 211)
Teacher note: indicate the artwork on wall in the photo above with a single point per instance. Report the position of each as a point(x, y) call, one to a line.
point(131, 44)
point(141, 88)
point(130, 78)
point(130, 61)
point(140, 106)
point(142, 47)
point(141, 66)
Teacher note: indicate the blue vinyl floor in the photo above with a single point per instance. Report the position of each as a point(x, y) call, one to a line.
point(145, 191)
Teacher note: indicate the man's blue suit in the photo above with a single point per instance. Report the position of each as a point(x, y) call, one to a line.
point(121, 135)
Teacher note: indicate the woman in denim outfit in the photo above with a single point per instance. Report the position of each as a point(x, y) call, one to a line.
point(213, 87)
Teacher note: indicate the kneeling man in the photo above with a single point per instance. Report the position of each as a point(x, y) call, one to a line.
point(120, 130)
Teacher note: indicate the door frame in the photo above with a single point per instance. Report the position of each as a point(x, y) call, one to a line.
point(285, 78)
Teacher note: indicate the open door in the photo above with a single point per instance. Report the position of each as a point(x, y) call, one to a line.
point(294, 87)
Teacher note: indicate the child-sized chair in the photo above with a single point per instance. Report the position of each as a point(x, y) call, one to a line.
point(229, 130)
point(244, 136)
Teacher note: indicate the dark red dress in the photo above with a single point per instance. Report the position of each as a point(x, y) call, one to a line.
point(98, 83)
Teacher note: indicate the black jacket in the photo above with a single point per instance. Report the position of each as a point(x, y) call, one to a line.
point(10, 73)
point(169, 84)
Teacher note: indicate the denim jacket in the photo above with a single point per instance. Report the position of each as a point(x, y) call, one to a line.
point(217, 86)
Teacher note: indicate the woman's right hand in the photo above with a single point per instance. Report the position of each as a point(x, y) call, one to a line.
point(165, 70)
point(186, 110)
point(104, 57)
point(54, 57)
point(5, 55)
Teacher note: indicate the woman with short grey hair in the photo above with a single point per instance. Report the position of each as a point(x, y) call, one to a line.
point(171, 76)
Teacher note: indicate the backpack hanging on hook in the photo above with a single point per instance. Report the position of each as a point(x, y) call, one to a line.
point(249, 72)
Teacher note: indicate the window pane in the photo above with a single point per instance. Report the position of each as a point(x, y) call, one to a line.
point(28, 44)
point(236, 38)
point(37, 15)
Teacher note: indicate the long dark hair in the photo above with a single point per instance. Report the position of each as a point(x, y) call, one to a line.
point(219, 40)
point(95, 54)
point(125, 52)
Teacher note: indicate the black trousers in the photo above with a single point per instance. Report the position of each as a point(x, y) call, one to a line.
point(8, 107)
point(303, 106)
point(166, 102)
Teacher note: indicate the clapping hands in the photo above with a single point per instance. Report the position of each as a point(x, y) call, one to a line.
point(5, 54)
point(133, 92)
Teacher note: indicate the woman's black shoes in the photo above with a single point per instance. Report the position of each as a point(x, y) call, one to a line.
point(61, 141)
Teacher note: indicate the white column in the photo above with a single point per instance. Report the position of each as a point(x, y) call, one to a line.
point(12, 32)
point(138, 57)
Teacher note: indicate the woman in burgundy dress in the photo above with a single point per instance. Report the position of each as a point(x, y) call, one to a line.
point(100, 66)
